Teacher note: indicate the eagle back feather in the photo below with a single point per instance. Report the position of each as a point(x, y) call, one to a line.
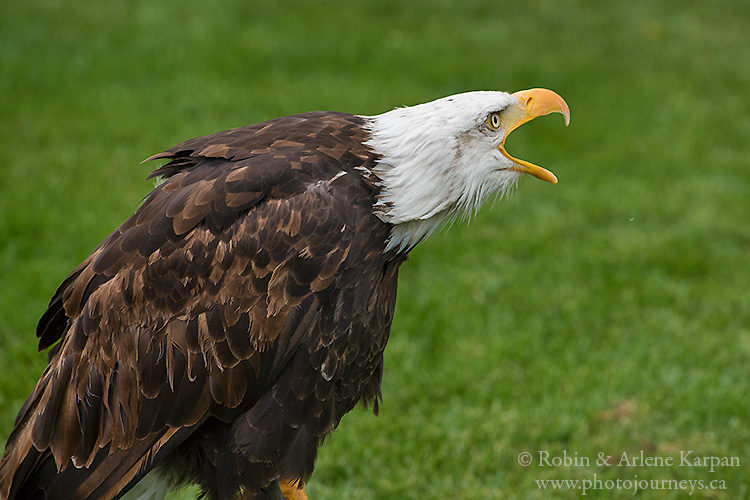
point(237, 315)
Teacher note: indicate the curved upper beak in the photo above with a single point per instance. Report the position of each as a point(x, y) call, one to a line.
point(533, 103)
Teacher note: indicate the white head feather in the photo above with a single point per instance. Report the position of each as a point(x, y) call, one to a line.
point(438, 160)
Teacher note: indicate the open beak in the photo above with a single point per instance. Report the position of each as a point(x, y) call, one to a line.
point(531, 104)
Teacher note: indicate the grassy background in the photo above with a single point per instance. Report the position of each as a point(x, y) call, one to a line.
point(607, 313)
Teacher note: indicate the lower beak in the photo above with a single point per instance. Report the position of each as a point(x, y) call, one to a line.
point(533, 103)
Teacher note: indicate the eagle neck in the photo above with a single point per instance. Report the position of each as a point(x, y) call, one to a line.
point(419, 188)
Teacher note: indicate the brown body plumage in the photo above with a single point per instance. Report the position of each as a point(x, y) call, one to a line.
point(224, 329)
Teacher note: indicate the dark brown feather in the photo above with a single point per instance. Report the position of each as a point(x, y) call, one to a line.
point(245, 304)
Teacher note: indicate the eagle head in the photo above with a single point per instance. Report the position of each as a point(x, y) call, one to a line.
point(444, 158)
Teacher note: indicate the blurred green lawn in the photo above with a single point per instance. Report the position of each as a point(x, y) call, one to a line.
point(607, 313)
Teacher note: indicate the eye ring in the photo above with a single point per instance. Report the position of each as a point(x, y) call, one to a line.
point(493, 121)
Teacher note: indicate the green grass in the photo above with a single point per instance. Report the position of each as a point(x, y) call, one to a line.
point(607, 313)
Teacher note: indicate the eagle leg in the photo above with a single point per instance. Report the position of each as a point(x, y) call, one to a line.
point(292, 491)
point(282, 490)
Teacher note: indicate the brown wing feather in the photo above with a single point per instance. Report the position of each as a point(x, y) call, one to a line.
point(197, 304)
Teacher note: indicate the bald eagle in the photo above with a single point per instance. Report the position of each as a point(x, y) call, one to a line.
point(225, 328)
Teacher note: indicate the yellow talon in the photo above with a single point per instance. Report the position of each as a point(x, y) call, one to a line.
point(291, 491)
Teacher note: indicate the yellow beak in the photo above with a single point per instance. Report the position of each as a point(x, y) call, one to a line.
point(533, 103)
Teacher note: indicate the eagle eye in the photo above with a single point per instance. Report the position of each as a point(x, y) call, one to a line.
point(494, 121)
